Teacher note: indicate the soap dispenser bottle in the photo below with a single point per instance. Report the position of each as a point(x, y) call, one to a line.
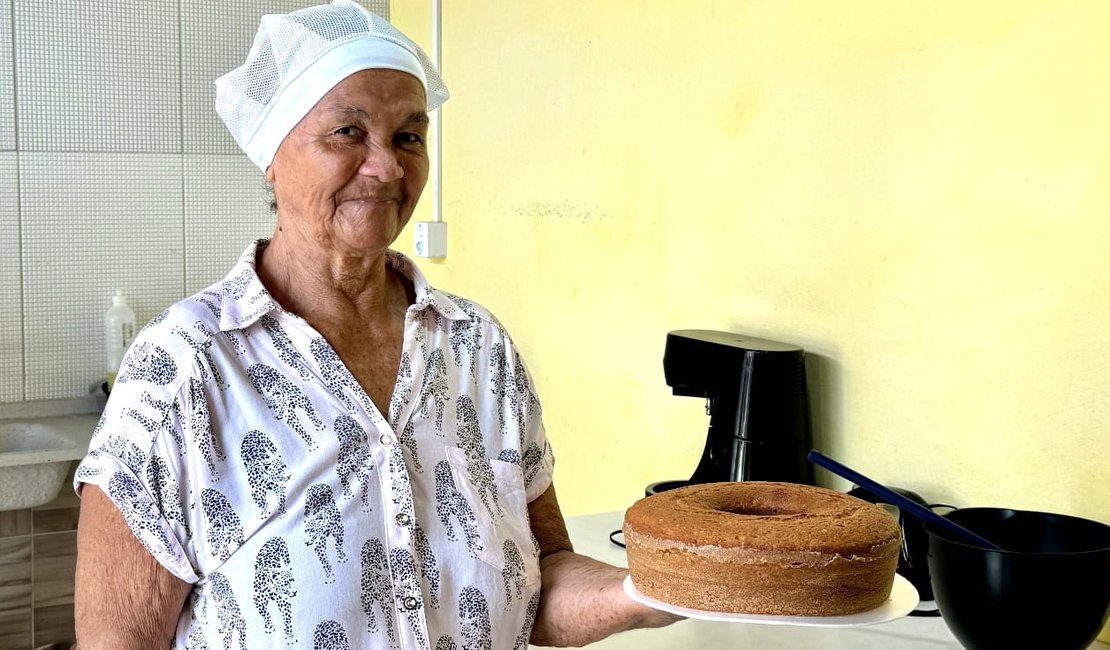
point(119, 330)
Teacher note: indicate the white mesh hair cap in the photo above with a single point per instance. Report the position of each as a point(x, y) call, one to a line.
point(298, 57)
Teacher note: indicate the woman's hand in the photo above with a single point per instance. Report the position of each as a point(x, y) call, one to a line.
point(582, 600)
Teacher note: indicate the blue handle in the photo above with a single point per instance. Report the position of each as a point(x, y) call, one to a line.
point(892, 497)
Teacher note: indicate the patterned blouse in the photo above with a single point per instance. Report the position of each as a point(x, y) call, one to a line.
point(250, 463)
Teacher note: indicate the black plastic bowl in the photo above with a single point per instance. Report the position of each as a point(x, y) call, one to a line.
point(1050, 588)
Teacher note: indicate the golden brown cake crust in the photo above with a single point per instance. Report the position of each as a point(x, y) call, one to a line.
point(763, 548)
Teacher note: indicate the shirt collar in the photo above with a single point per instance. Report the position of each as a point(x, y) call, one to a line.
point(426, 295)
point(244, 299)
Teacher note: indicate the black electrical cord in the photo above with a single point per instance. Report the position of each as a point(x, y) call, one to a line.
point(613, 537)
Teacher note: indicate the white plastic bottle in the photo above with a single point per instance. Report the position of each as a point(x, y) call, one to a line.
point(119, 330)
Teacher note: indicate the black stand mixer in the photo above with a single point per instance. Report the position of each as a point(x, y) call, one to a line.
point(759, 426)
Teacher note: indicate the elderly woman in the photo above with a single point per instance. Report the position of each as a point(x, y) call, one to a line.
point(322, 450)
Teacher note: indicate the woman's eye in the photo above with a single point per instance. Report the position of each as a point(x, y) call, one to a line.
point(410, 138)
point(346, 131)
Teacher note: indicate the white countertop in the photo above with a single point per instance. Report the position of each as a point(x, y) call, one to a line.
point(590, 534)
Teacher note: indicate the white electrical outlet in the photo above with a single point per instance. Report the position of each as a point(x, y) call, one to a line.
point(429, 238)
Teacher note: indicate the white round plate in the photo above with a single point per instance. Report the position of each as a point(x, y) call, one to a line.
point(903, 599)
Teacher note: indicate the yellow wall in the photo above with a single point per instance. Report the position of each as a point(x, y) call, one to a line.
point(916, 193)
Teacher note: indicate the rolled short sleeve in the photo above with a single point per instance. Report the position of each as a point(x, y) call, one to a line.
point(136, 456)
point(539, 473)
point(537, 458)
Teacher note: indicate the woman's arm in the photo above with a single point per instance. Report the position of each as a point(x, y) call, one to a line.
point(123, 598)
point(582, 600)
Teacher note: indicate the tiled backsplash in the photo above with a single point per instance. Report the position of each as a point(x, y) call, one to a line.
point(115, 172)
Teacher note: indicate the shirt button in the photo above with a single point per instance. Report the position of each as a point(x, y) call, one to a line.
point(403, 519)
point(386, 439)
point(410, 603)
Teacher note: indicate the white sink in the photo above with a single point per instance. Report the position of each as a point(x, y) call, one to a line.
point(35, 456)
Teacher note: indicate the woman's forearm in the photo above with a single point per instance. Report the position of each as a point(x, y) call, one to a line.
point(583, 601)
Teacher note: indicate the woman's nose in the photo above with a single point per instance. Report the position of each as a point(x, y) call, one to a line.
point(381, 162)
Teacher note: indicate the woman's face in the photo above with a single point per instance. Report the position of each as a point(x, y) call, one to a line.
point(348, 176)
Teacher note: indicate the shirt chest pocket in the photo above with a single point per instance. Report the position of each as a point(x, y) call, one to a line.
point(493, 492)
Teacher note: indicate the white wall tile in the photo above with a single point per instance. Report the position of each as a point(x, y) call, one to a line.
point(227, 206)
point(98, 76)
point(215, 38)
point(11, 317)
point(114, 223)
point(7, 79)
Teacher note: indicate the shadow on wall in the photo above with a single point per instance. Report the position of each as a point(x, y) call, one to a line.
point(823, 382)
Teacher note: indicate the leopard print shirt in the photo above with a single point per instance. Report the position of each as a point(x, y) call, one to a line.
point(249, 462)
